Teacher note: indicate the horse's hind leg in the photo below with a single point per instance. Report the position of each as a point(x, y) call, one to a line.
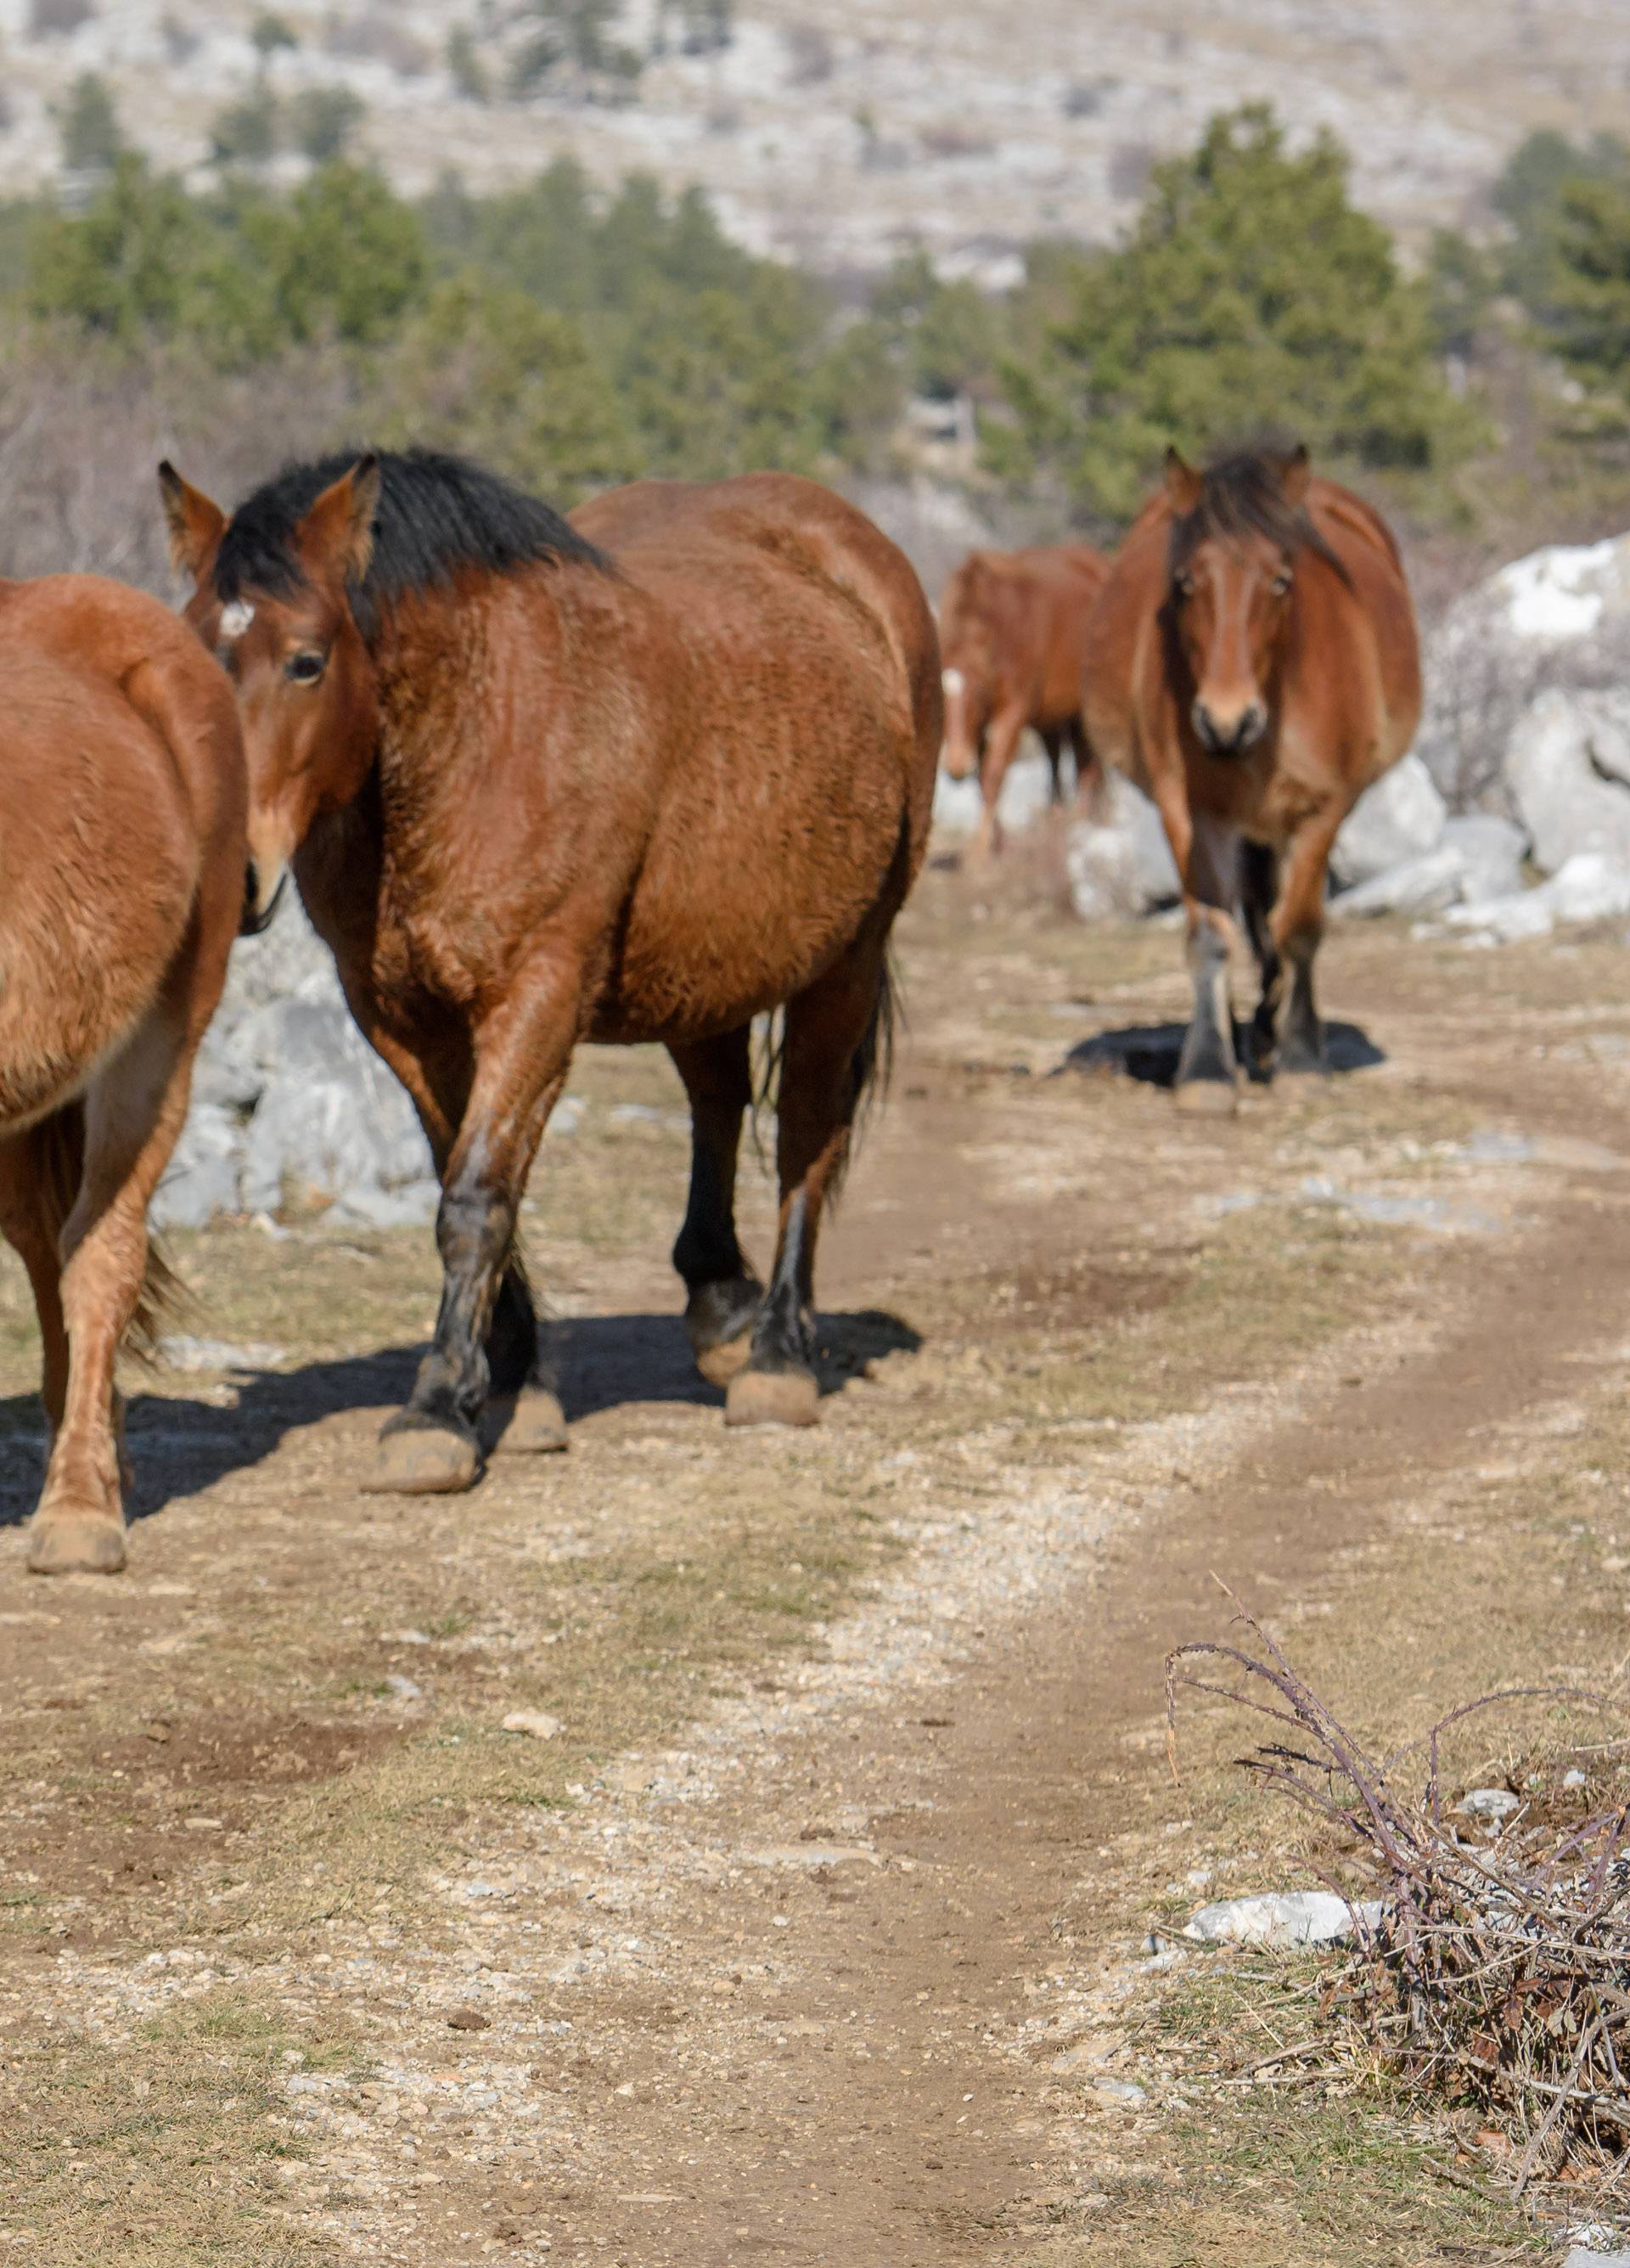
point(833, 1033)
point(723, 1294)
point(1053, 743)
point(432, 1447)
point(1258, 889)
point(1092, 783)
point(1298, 928)
point(29, 1221)
point(133, 1113)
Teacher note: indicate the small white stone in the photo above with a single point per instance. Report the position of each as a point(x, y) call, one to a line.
point(1490, 1802)
point(537, 1724)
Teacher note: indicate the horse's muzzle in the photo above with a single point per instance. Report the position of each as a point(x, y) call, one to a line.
point(1225, 736)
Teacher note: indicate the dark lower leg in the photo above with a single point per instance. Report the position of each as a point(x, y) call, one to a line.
point(1208, 1055)
point(474, 1229)
point(1092, 785)
point(783, 1337)
point(724, 1295)
point(1259, 881)
point(1054, 743)
point(1303, 1047)
point(1298, 928)
point(827, 1060)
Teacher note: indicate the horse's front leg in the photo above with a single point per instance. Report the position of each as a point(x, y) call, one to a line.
point(521, 1052)
point(1001, 744)
point(434, 1062)
point(1298, 928)
point(1208, 1076)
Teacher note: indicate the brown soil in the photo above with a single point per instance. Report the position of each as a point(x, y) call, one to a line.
point(816, 1934)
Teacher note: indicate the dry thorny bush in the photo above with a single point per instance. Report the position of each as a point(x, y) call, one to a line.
point(1493, 1962)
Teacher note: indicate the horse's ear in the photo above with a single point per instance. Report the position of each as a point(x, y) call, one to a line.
point(337, 532)
point(1182, 484)
point(1294, 476)
point(195, 524)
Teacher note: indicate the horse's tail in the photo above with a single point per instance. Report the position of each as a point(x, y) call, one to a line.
point(872, 1066)
point(59, 1145)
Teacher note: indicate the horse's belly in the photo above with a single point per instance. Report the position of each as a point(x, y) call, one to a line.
point(726, 922)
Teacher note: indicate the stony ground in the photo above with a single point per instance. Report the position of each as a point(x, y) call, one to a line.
point(816, 1930)
point(840, 133)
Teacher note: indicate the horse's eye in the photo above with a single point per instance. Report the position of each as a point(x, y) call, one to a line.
point(306, 667)
point(1185, 587)
point(1281, 584)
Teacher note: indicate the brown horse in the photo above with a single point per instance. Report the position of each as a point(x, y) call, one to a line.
point(1253, 666)
point(122, 799)
point(641, 775)
point(1013, 627)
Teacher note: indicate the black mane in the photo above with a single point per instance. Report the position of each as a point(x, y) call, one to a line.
point(1242, 494)
point(436, 515)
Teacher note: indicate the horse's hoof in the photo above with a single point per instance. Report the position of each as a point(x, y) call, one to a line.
point(1302, 1062)
point(773, 1398)
point(720, 1364)
point(1206, 1098)
point(77, 1544)
point(718, 1322)
point(423, 1461)
point(533, 1426)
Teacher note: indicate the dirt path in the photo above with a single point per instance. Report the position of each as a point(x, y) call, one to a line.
point(847, 2067)
point(816, 1933)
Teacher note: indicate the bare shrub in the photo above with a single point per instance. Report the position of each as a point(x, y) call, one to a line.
point(952, 141)
point(51, 19)
point(810, 55)
point(1087, 98)
point(80, 440)
point(375, 37)
point(1130, 165)
point(1492, 1965)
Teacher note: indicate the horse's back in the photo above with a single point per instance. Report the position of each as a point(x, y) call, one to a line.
point(759, 529)
point(1373, 615)
point(771, 569)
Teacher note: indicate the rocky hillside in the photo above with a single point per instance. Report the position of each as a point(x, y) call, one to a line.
point(838, 132)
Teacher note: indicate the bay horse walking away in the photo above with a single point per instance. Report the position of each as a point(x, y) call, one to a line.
point(122, 799)
point(639, 776)
point(1254, 666)
point(1013, 627)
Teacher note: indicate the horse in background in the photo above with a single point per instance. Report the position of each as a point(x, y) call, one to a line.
point(1253, 666)
point(1012, 635)
point(642, 775)
point(122, 862)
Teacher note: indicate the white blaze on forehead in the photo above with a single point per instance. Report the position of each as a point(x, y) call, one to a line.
point(236, 619)
point(953, 682)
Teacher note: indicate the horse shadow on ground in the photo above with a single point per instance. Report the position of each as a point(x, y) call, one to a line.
point(1150, 1052)
point(181, 1445)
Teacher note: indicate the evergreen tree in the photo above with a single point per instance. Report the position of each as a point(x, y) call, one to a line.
point(1251, 292)
point(91, 140)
